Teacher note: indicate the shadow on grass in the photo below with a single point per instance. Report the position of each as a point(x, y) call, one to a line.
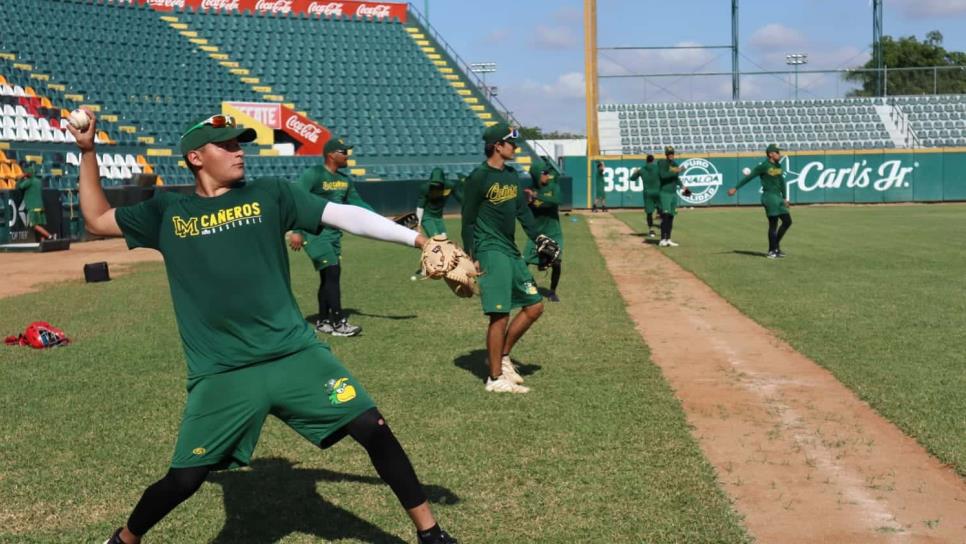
point(475, 363)
point(349, 312)
point(749, 253)
point(276, 499)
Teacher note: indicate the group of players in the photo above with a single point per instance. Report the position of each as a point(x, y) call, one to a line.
point(249, 351)
point(662, 181)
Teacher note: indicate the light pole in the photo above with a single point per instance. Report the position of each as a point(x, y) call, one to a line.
point(484, 68)
point(796, 59)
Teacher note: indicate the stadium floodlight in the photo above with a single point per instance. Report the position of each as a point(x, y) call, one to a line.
point(485, 68)
point(796, 60)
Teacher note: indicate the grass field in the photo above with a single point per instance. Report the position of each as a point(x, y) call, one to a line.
point(875, 294)
point(599, 451)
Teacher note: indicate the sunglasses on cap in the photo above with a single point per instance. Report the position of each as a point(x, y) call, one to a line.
point(217, 121)
point(514, 133)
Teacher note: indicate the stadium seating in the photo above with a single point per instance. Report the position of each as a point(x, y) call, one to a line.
point(749, 125)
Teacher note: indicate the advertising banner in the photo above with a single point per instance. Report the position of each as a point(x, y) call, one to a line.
point(914, 175)
point(321, 8)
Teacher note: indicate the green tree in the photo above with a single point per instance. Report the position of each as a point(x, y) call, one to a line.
point(909, 52)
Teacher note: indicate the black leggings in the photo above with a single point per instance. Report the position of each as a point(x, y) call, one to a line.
point(554, 276)
point(369, 429)
point(667, 223)
point(775, 233)
point(650, 220)
point(330, 294)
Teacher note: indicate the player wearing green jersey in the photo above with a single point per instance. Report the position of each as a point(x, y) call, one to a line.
point(669, 173)
point(544, 199)
point(325, 249)
point(248, 350)
point(433, 195)
point(774, 198)
point(33, 202)
point(652, 191)
point(492, 205)
point(600, 200)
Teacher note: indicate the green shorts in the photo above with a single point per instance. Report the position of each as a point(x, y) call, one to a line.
point(325, 250)
point(433, 225)
point(505, 283)
point(652, 201)
point(310, 391)
point(774, 204)
point(36, 217)
point(669, 202)
point(530, 252)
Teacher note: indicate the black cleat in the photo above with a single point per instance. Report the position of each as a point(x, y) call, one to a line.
point(442, 538)
point(115, 538)
point(552, 296)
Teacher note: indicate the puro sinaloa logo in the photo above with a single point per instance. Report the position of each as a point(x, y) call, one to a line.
point(702, 178)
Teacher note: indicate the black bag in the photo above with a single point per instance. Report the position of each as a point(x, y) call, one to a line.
point(96, 272)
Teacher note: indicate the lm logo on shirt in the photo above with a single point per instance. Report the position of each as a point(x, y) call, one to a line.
point(214, 222)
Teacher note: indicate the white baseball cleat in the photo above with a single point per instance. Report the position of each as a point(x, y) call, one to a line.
point(504, 385)
point(662, 243)
point(671, 244)
point(510, 370)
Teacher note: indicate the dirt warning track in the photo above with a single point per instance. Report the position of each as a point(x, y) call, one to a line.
point(803, 459)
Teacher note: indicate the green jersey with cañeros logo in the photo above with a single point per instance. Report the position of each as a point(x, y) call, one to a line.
point(228, 269)
point(492, 204)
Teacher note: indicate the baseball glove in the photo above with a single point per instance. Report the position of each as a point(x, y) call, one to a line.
point(408, 220)
point(443, 259)
point(548, 251)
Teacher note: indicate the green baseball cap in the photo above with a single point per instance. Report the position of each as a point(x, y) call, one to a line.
point(669, 150)
point(772, 147)
point(500, 132)
point(203, 131)
point(537, 169)
point(437, 175)
point(335, 144)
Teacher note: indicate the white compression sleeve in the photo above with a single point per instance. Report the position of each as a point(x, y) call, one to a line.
point(419, 215)
point(362, 222)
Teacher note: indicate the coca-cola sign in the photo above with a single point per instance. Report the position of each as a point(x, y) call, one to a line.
point(307, 130)
point(375, 11)
point(326, 9)
point(219, 5)
point(274, 6)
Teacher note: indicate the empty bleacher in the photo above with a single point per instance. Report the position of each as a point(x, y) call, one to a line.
point(750, 125)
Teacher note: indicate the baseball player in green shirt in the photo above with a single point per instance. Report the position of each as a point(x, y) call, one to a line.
point(669, 173)
point(600, 200)
point(492, 204)
point(774, 198)
point(652, 191)
point(544, 199)
point(249, 351)
point(325, 250)
point(433, 195)
point(33, 202)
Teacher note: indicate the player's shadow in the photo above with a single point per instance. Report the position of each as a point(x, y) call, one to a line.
point(646, 240)
point(747, 253)
point(475, 363)
point(276, 498)
point(353, 311)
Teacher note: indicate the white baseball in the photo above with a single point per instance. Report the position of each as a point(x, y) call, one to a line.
point(79, 119)
point(746, 171)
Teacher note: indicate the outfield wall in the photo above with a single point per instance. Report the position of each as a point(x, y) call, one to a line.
point(859, 176)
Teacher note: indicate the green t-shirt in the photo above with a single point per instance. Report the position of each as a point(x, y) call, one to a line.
point(433, 195)
point(670, 181)
point(33, 193)
point(652, 181)
point(492, 203)
point(228, 269)
point(333, 186)
point(772, 178)
point(545, 207)
point(599, 183)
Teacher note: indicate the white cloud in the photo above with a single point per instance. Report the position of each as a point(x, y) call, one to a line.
point(921, 9)
point(645, 61)
point(777, 36)
point(554, 37)
point(569, 85)
point(558, 105)
point(569, 15)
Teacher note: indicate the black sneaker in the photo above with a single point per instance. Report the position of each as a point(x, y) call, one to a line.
point(343, 328)
point(442, 538)
point(552, 296)
point(772, 255)
point(115, 538)
point(324, 326)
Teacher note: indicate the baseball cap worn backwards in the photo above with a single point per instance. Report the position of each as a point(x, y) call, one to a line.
point(500, 132)
point(214, 129)
point(335, 144)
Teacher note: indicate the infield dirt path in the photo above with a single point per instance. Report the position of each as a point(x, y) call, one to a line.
point(803, 459)
point(26, 272)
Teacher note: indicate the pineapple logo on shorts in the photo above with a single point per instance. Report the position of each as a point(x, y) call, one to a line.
point(340, 391)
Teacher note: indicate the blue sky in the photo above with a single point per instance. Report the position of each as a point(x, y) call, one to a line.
point(538, 46)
